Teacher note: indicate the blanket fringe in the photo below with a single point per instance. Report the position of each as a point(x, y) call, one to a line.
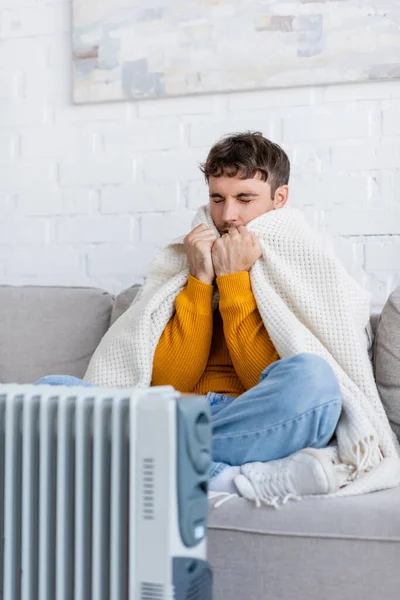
point(367, 455)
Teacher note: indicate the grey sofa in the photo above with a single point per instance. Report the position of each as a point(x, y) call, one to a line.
point(314, 549)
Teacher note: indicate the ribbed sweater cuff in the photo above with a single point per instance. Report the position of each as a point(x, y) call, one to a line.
point(197, 296)
point(234, 286)
point(236, 295)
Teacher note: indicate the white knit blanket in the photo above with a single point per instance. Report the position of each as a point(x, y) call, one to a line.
point(308, 303)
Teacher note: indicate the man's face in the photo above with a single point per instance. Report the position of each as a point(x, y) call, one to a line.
point(235, 201)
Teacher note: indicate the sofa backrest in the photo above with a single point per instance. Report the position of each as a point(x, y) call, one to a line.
point(50, 330)
point(55, 330)
point(123, 301)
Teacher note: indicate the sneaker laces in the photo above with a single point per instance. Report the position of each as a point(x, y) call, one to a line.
point(224, 497)
point(271, 489)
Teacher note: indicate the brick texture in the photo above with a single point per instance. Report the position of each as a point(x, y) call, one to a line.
point(89, 193)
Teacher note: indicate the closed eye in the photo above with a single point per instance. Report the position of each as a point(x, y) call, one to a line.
point(240, 200)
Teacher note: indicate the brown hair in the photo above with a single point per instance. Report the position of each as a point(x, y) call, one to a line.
point(247, 154)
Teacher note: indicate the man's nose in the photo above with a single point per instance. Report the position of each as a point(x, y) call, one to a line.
point(230, 214)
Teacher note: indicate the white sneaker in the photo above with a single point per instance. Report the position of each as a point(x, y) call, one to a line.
point(307, 472)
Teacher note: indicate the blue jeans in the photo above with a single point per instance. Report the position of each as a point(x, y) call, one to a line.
point(295, 405)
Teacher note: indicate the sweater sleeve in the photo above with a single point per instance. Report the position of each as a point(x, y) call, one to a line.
point(182, 352)
point(249, 344)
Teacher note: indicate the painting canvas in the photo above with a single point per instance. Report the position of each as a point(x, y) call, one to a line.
point(134, 49)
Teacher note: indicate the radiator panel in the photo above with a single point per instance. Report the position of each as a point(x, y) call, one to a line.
point(88, 494)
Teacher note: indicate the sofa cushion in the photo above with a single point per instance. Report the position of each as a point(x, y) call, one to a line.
point(312, 549)
point(387, 359)
point(50, 330)
point(123, 301)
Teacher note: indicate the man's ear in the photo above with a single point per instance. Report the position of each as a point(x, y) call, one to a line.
point(281, 196)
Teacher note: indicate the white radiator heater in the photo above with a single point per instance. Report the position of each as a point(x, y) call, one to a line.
point(103, 494)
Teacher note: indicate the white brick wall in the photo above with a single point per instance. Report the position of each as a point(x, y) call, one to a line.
point(88, 193)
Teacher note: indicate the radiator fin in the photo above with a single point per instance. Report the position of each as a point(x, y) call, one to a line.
point(48, 497)
point(30, 498)
point(101, 499)
point(12, 499)
point(83, 498)
point(119, 500)
point(65, 500)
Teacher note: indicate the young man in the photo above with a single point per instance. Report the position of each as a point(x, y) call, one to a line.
point(268, 414)
point(263, 408)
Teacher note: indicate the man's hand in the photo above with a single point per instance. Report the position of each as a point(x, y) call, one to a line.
point(235, 251)
point(198, 244)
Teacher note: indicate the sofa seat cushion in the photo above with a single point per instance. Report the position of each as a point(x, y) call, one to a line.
point(50, 330)
point(332, 548)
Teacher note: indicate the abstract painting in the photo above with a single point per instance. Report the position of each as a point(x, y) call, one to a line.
point(135, 49)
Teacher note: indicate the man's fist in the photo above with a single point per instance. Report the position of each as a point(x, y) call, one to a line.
point(198, 244)
point(235, 251)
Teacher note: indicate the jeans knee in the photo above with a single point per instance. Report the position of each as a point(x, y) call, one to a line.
point(310, 381)
point(319, 375)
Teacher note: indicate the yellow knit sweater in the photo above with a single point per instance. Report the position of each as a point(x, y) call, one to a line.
point(226, 351)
